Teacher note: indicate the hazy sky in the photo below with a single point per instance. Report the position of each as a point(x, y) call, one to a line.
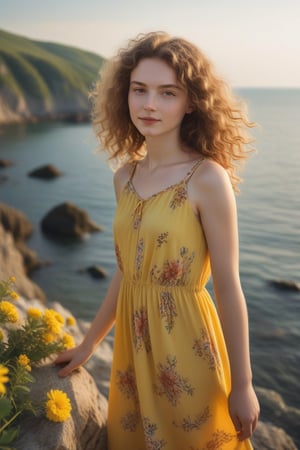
point(252, 43)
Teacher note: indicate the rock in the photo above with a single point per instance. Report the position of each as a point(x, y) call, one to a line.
point(12, 264)
point(269, 437)
point(84, 430)
point(5, 163)
point(286, 285)
point(67, 219)
point(46, 172)
point(275, 410)
point(15, 222)
point(31, 260)
point(96, 271)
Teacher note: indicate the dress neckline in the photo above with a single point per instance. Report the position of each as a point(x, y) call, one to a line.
point(166, 189)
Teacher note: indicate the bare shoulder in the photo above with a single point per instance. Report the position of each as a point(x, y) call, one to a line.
point(210, 176)
point(210, 184)
point(121, 177)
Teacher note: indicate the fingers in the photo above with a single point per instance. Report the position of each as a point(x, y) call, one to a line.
point(244, 428)
point(66, 370)
point(66, 357)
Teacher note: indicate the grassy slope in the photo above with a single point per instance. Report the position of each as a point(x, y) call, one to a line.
point(44, 71)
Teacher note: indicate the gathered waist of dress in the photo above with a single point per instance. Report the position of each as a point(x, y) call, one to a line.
point(142, 284)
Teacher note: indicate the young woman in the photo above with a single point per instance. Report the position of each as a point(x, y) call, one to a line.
point(181, 375)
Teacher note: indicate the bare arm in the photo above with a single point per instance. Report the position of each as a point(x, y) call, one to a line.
point(99, 328)
point(105, 316)
point(215, 201)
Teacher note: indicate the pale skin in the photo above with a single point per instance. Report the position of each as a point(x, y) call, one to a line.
point(157, 106)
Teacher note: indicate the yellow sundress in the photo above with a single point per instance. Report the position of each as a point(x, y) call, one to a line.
point(170, 374)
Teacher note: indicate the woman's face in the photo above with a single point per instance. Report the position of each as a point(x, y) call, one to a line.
point(157, 102)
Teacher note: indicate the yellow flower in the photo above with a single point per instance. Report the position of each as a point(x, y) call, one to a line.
point(9, 311)
point(53, 320)
point(3, 378)
point(49, 337)
point(1, 336)
point(71, 321)
point(58, 406)
point(24, 361)
point(68, 341)
point(13, 295)
point(12, 279)
point(34, 313)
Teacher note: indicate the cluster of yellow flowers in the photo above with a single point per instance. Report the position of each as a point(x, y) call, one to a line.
point(23, 344)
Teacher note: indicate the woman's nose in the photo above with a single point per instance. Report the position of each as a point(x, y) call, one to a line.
point(150, 104)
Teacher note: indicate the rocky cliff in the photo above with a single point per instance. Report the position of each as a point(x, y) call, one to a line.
point(42, 80)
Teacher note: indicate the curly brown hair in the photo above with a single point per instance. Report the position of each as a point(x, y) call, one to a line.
point(217, 127)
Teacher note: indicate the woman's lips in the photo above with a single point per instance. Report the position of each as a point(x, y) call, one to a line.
point(148, 120)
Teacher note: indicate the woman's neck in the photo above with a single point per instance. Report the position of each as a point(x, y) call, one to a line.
point(163, 152)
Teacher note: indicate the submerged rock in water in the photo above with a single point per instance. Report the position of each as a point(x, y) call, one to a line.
point(5, 163)
point(68, 220)
point(286, 285)
point(95, 271)
point(47, 172)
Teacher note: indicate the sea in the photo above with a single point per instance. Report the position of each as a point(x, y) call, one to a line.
point(268, 213)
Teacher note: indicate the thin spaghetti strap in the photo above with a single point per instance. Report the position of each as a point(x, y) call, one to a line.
point(192, 170)
point(132, 171)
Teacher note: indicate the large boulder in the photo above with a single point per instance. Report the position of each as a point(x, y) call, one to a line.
point(15, 222)
point(84, 430)
point(47, 172)
point(67, 220)
point(12, 264)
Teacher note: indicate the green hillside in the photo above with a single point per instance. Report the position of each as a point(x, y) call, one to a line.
point(41, 79)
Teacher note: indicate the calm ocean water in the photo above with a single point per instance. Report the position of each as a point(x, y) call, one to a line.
point(269, 219)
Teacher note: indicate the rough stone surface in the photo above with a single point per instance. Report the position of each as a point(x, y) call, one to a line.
point(269, 437)
point(84, 430)
point(12, 264)
point(15, 222)
point(66, 220)
point(275, 410)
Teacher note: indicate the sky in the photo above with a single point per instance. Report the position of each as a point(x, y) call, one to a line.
point(251, 43)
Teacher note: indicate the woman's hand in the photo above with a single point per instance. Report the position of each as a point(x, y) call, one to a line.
point(244, 410)
point(74, 358)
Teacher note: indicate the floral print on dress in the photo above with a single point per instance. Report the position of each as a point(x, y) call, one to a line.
point(205, 348)
point(149, 432)
point(174, 272)
point(180, 196)
point(118, 257)
point(139, 257)
point(162, 239)
point(170, 383)
point(130, 421)
point(219, 438)
point(141, 337)
point(189, 424)
point(167, 309)
point(127, 384)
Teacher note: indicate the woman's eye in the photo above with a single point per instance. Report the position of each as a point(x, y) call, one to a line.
point(169, 94)
point(139, 90)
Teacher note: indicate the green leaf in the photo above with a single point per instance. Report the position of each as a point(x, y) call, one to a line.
point(5, 407)
point(7, 437)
